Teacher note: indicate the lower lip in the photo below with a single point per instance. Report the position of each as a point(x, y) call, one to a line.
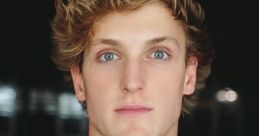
point(133, 112)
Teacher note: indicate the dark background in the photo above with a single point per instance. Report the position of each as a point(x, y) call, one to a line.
point(232, 25)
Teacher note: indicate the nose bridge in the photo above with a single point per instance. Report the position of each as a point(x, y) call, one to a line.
point(132, 79)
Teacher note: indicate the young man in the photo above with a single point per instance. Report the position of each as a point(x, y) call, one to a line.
point(134, 63)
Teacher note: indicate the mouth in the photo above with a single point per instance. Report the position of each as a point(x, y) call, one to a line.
point(133, 110)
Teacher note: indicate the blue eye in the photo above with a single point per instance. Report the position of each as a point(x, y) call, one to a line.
point(159, 54)
point(108, 56)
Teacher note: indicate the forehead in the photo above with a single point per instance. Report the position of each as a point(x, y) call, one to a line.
point(151, 20)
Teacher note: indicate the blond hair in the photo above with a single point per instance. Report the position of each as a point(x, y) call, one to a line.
point(74, 22)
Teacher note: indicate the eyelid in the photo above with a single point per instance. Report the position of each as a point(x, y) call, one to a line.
point(164, 49)
point(102, 52)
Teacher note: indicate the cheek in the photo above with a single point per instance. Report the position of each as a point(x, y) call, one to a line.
point(169, 79)
point(167, 86)
point(100, 83)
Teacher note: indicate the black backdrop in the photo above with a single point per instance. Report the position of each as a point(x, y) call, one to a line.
point(232, 25)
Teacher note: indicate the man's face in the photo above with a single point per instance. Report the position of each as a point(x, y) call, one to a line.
point(134, 74)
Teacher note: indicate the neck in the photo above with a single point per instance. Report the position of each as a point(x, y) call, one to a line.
point(173, 131)
point(94, 132)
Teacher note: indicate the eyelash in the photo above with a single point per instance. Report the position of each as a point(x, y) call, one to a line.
point(104, 52)
point(107, 51)
point(162, 49)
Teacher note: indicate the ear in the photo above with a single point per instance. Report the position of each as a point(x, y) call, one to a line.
point(78, 83)
point(190, 76)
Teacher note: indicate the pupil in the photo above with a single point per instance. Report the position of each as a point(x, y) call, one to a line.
point(108, 56)
point(159, 54)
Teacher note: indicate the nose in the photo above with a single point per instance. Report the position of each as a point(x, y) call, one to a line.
point(132, 77)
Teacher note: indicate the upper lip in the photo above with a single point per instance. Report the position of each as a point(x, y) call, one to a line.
point(133, 107)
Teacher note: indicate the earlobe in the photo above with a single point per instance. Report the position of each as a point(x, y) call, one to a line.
point(190, 76)
point(78, 83)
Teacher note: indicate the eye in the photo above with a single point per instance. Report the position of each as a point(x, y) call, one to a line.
point(160, 55)
point(108, 56)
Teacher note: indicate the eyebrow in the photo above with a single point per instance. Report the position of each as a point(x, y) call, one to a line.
point(162, 39)
point(152, 41)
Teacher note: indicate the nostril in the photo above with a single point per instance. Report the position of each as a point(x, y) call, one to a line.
point(132, 89)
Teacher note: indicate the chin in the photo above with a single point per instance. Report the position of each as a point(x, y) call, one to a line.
point(135, 131)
